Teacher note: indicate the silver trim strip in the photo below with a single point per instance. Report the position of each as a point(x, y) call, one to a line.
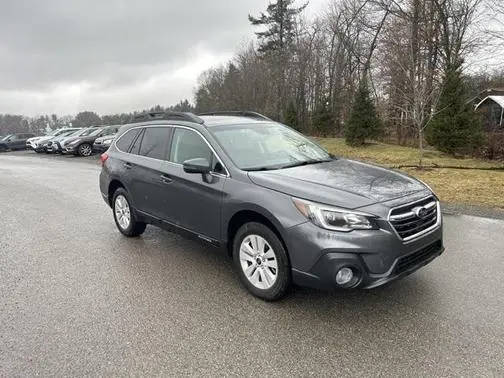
point(411, 238)
point(410, 214)
point(227, 175)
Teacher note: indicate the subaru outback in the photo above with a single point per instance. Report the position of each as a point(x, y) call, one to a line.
point(286, 210)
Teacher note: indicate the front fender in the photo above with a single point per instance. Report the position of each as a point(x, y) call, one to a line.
point(275, 206)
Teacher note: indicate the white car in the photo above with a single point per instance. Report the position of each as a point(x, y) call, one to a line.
point(54, 144)
point(38, 144)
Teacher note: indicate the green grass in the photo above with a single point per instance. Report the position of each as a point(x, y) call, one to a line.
point(475, 186)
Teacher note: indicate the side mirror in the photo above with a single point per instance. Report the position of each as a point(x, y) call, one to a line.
point(198, 165)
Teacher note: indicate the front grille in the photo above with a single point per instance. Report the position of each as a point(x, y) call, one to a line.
point(413, 219)
point(406, 262)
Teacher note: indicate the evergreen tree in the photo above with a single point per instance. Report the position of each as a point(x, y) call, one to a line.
point(291, 116)
point(86, 119)
point(456, 127)
point(322, 119)
point(364, 122)
point(279, 20)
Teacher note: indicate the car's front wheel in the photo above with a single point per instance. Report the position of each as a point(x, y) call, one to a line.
point(261, 261)
point(85, 149)
point(124, 215)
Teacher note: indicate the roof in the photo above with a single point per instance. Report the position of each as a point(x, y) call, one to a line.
point(498, 99)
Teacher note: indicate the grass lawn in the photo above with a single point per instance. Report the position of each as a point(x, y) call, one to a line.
point(463, 186)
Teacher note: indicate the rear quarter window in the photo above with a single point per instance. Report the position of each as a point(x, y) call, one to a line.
point(125, 140)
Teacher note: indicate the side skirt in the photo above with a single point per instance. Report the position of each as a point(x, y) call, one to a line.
point(182, 231)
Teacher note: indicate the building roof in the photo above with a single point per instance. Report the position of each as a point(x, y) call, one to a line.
point(498, 99)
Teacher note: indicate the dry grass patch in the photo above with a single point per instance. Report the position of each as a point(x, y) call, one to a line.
point(393, 155)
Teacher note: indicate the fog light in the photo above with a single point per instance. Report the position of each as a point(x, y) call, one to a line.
point(344, 276)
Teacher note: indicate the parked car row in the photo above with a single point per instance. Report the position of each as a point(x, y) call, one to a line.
point(76, 141)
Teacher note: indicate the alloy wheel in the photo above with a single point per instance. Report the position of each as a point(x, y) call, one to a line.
point(85, 150)
point(258, 261)
point(122, 212)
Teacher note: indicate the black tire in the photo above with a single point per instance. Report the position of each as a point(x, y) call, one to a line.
point(85, 149)
point(283, 279)
point(135, 227)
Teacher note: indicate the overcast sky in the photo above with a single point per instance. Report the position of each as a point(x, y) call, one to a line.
point(65, 56)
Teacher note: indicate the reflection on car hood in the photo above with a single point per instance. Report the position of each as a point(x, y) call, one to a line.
point(104, 138)
point(341, 182)
point(40, 139)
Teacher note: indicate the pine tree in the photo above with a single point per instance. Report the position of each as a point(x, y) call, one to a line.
point(364, 122)
point(456, 127)
point(291, 116)
point(322, 119)
point(279, 19)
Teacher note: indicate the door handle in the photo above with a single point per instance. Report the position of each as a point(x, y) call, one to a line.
point(128, 165)
point(165, 179)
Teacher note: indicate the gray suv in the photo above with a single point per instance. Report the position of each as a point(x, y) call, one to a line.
point(285, 209)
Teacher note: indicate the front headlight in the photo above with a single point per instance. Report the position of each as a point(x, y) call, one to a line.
point(336, 219)
point(107, 141)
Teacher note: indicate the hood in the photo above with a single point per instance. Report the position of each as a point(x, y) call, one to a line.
point(59, 138)
point(71, 139)
point(343, 183)
point(104, 138)
point(86, 138)
point(36, 139)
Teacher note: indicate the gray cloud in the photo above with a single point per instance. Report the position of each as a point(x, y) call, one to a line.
point(114, 55)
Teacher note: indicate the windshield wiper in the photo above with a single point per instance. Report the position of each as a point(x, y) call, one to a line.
point(296, 164)
point(305, 162)
point(254, 169)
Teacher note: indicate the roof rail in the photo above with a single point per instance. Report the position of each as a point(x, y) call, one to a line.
point(241, 113)
point(171, 116)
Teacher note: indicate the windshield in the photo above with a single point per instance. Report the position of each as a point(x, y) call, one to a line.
point(267, 146)
point(67, 133)
point(76, 132)
point(6, 137)
point(96, 132)
point(58, 132)
point(92, 131)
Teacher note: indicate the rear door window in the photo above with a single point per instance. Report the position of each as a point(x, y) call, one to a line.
point(155, 142)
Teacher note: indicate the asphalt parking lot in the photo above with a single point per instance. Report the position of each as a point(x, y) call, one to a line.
point(77, 298)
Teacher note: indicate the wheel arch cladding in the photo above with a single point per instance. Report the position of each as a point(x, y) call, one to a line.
point(113, 186)
point(245, 216)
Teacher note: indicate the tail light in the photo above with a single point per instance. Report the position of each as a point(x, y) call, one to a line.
point(103, 158)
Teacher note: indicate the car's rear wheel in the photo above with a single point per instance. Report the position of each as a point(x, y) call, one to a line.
point(124, 216)
point(261, 261)
point(85, 149)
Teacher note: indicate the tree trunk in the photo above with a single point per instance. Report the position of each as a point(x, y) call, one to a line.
point(420, 147)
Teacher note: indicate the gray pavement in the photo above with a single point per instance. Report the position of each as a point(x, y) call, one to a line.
point(77, 298)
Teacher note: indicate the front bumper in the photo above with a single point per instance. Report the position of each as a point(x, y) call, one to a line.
point(70, 149)
point(40, 148)
point(375, 256)
point(35, 147)
point(100, 148)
